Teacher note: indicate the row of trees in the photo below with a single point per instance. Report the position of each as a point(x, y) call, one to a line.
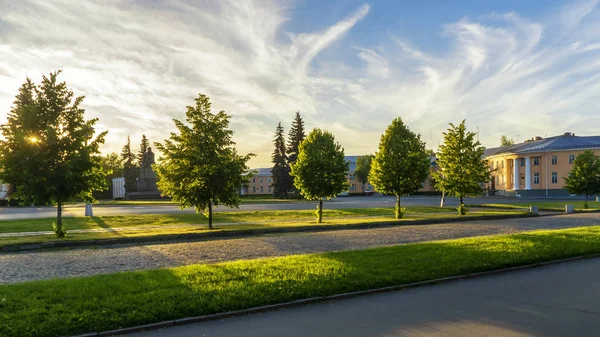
point(284, 156)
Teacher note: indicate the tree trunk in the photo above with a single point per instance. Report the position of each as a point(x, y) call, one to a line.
point(399, 213)
point(443, 199)
point(210, 215)
point(59, 215)
point(320, 211)
point(461, 200)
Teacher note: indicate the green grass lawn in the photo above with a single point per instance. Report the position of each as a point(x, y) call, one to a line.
point(99, 303)
point(167, 224)
point(545, 205)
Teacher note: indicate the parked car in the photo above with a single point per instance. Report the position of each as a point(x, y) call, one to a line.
point(344, 194)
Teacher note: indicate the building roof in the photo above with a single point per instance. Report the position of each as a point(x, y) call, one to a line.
point(566, 141)
point(261, 171)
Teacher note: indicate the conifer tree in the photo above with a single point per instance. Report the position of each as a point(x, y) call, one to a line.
point(48, 151)
point(462, 166)
point(130, 169)
point(321, 168)
point(401, 164)
point(281, 170)
point(584, 177)
point(143, 149)
point(295, 137)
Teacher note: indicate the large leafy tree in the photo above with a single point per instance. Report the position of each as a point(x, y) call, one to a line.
point(584, 177)
point(144, 144)
point(462, 166)
point(200, 166)
point(112, 166)
point(282, 181)
point(320, 170)
point(401, 164)
point(49, 152)
point(130, 168)
point(363, 167)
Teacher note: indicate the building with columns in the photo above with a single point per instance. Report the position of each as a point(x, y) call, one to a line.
point(537, 167)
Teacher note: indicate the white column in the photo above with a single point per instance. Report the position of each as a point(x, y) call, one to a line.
point(527, 173)
point(516, 174)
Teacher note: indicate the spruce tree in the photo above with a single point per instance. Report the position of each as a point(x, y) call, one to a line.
point(130, 169)
point(462, 166)
point(401, 164)
point(143, 149)
point(281, 170)
point(295, 137)
point(48, 152)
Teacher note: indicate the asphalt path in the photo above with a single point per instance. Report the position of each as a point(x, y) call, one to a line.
point(13, 213)
point(552, 301)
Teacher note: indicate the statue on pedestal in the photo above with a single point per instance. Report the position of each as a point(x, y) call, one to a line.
point(147, 178)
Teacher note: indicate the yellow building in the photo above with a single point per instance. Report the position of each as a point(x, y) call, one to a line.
point(537, 167)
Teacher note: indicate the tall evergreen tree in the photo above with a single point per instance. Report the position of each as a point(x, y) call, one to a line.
point(281, 170)
point(462, 166)
point(584, 177)
point(321, 168)
point(49, 152)
point(200, 166)
point(130, 168)
point(295, 137)
point(143, 149)
point(401, 164)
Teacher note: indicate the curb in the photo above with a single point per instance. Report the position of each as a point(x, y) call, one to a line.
point(284, 305)
point(190, 237)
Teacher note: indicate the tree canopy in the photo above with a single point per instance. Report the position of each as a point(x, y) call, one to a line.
point(505, 141)
point(321, 168)
point(462, 166)
point(200, 166)
point(584, 177)
point(401, 164)
point(50, 152)
point(363, 167)
point(282, 181)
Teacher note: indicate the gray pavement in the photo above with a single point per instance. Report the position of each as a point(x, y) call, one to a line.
point(553, 301)
point(28, 266)
point(12, 213)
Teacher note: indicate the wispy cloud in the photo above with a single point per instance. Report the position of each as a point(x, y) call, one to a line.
point(141, 62)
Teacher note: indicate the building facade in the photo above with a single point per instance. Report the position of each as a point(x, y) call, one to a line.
point(537, 167)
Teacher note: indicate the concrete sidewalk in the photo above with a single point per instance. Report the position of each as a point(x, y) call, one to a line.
point(552, 301)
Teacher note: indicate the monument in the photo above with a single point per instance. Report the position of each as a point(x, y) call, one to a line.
point(146, 182)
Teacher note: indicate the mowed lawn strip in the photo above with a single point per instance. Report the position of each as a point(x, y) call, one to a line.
point(283, 216)
point(545, 205)
point(99, 303)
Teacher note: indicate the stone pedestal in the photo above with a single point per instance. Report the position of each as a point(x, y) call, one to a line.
point(569, 209)
point(534, 210)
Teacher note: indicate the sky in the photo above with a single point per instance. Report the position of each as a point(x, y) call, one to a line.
point(520, 68)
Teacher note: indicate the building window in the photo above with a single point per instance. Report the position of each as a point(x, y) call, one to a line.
point(253, 180)
point(522, 161)
point(497, 180)
point(492, 165)
point(351, 177)
point(269, 181)
point(536, 161)
point(571, 158)
point(269, 190)
point(497, 164)
point(260, 180)
point(554, 160)
point(353, 187)
point(503, 179)
point(554, 177)
point(536, 178)
point(253, 189)
point(502, 163)
point(261, 189)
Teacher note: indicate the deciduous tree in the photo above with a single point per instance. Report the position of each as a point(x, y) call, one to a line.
point(49, 151)
point(584, 177)
point(200, 166)
point(363, 167)
point(282, 181)
point(320, 170)
point(462, 166)
point(401, 164)
point(505, 141)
